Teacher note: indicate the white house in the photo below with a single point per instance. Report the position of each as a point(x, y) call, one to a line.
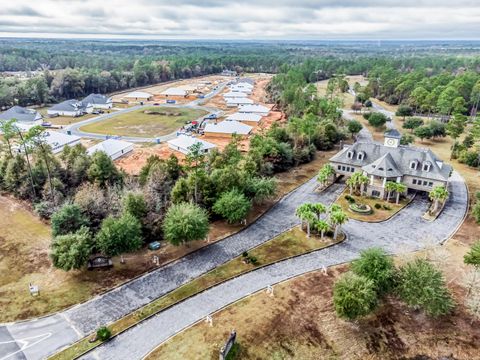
point(58, 140)
point(234, 94)
point(98, 101)
point(112, 147)
point(138, 96)
point(232, 102)
point(70, 108)
point(22, 115)
point(254, 108)
point(251, 119)
point(227, 128)
point(184, 143)
point(235, 88)
point(174, 91)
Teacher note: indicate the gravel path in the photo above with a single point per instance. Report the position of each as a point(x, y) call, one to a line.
point(405, 232)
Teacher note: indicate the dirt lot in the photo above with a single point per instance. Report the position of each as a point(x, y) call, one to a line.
point(299, 322)
point(157, 89)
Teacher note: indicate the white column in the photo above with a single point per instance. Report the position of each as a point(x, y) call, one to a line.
point(371, 180)
point(384, 182)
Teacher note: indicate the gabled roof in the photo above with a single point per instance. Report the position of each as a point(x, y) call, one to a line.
point(238, 116)
point(234, 94)
point(68, 105)
point(185, 142)
point(254, 108)
point(229, 127)
point(139, 94)
point(110, 147)
point(239, 100)
point(173, 91)
point(393, 133)
point(402, 157)
point(58, 140)
point(384, 166)
point(22, 114)
point(96, 99)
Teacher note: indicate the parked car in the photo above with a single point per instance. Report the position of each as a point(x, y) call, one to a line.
point(156, 104)
point(154, 245)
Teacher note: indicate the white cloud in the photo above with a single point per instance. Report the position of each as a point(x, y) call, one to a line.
point(251, 19)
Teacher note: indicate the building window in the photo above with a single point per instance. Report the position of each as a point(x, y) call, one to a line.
point(343, 168)
point(339, 167)
point(413, 165)
point(426, 166)
point(425, 183)
point(352, 169)
point(414, 181)
point(350, 154)
point(360, 155)
point(430, 183)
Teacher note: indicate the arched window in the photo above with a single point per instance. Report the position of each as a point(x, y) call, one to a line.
point(426, 166)
point(350, 154)
point(360, 155)
point(413, 164)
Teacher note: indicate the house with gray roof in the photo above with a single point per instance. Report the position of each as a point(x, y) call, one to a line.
point(70, 108)
point(98, 101)
point(22, 115)
point(419, 169)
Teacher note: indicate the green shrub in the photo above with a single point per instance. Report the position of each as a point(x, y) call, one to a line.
point(378, 206)
point(386, 207)
point(354, 296)
point(376, 265)
point(103, 333)
point(350, 199)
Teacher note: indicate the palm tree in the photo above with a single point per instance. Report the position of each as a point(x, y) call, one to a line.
point(390, 186)
point(363, 180)
point(400, 189)
point(352, 183)
point(337, 219)
point(305, 213)
point(321, 226)
point(438, 193)
point(318, 209)
point(325, 173)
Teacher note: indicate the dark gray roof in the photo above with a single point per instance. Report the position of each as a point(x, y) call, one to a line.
point(68, 105)
point(399, 159)
point(393, 133)
point(384, 166)
point(95, 99)
point(22, 114)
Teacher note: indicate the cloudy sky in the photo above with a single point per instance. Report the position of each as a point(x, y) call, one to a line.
point(251, 19)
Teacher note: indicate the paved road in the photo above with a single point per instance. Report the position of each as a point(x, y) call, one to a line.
point(74, 129)
point(86, 317)
point(403, 233)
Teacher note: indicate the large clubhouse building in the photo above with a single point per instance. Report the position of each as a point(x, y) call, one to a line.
point(418, 169)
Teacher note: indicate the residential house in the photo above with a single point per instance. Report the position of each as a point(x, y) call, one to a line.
point(138, 96)
point(238, 101)
point(112, 147)
point(255, 108)
point(22, 115)
point(98, 101)
point(234, 94)
point(419, 169)
point(227, 129)
point(184, 143)
point(251, 119)
point(70, 108)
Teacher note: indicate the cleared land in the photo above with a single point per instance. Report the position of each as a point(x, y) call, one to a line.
point(141, 123)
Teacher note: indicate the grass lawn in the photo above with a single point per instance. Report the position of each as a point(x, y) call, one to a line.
point(290, 243)
point(377, 215)
point(138, 123)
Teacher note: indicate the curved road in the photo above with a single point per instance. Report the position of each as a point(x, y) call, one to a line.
point(405, 232)
point(74, 129)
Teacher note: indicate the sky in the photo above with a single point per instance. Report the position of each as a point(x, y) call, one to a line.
point(250, 19)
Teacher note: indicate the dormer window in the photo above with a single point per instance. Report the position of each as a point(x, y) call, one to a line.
point(360, 155)
point(413, 164)
point(350, 154)
point(426, 166)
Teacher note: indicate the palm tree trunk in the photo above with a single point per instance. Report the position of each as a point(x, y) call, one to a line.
point(435, 206)
point(336, 232)
point(308, 229)
point(398, 198)
point(322, 233)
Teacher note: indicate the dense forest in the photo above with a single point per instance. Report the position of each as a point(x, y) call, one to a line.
point(72, 69)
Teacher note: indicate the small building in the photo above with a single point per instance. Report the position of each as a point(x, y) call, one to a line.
point(174, 92)
point(247, 80)
point(98, 101)
point(255, 108)
point(234, 94)
point(112, 147)
point(241, 90)
point(71, 108)
point(58, 140)
point(184, 143)
point(419, 169)
point(138, 96)
point(251, 119)
point(238, 101)
point(227, 129)
point(231, 73)
point(22, 115)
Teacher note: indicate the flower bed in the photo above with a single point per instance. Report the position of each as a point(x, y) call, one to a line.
point(360, 208)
